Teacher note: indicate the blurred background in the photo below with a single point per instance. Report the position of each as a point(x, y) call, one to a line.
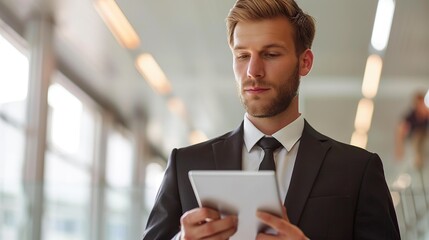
point(94, 94)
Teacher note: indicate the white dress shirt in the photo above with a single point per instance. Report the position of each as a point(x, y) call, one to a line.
point(284, 157)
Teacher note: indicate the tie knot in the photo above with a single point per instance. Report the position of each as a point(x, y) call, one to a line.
point(269, 143)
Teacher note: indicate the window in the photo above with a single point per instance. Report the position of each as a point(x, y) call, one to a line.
point(119, 166)
point(13, 82)
point(154, 175)
point(13, 94)
point(68, 166)
point(119, 159)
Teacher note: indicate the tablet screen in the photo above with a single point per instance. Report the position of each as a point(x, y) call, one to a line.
point(241, 193)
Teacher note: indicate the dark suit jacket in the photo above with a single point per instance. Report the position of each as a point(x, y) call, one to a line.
point(337, 191)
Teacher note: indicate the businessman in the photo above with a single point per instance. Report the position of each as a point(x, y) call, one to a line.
point(330, 190)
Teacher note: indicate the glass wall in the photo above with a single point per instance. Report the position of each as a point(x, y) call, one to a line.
point(92, 188)
point(154, 174)
point(118, 205)
point(13, 94)
point(68, 167)
point(70, 192)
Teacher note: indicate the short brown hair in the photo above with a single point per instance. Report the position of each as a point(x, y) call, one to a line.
point(253, 10)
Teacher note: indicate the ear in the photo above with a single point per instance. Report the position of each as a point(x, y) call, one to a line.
point(305, 62)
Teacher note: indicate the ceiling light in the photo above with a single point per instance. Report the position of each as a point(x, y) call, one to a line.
point(382, 24)
point(197, 137)
point(176, 105)
point(364, 115)
point(117, 23)
point(359, 139)
point(153, 74)
point(372, 75)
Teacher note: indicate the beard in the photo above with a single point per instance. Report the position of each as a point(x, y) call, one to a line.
point(285, 93)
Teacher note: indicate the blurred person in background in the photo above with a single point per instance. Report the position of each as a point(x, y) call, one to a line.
point(414, 128)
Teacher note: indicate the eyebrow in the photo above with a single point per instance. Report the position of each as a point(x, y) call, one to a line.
point(273, 45)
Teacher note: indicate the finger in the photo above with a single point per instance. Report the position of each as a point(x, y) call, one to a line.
point(216, 229)
point(191, 219)
point(277, 223)
point(199, 215)
point(200, 223)
point(282, 226)
point(227, 234)
point(264, 236)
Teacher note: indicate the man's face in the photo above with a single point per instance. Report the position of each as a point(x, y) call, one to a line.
point(266, 66)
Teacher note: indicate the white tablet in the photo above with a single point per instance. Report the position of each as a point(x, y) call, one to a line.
point(241, 193)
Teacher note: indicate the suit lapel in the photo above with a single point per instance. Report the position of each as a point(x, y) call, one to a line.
point(311, 153)
point(228, 152)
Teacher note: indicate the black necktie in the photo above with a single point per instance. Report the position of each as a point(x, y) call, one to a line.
point(269, 144)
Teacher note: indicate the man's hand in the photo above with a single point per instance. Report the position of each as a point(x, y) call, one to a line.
point(285, 229)
point(207, 223)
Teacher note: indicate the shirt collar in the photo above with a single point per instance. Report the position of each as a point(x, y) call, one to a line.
point(287, 136)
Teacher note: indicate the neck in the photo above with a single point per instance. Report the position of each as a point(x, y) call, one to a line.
point(270, 125)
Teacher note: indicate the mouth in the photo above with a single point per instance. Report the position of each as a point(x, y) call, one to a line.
point(256, 90)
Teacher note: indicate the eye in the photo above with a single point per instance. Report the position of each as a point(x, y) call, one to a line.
point(271, 55)
point(242, 56)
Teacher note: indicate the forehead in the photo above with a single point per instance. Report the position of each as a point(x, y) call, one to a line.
point(263, 32)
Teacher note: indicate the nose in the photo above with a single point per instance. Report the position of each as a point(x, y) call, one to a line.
point(255, 68)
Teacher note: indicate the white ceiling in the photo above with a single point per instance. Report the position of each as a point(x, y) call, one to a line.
point(188, 39)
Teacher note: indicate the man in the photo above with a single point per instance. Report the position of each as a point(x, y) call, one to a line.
point(414, 126)
point(336, 191)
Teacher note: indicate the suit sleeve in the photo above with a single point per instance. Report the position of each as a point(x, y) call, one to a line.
point(375, 214)
point(164, 219)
